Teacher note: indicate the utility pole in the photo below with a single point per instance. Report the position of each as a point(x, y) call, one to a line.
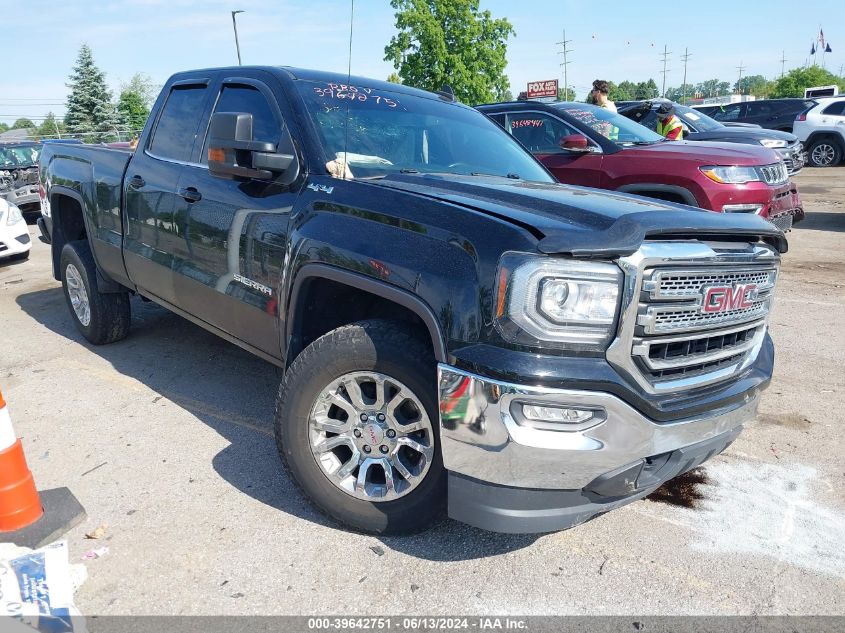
point(841, 66)
point(665, 55)
point(235, 27)
point(782, 61)
point(740, 68)
point(685, 57)
point(566, 50)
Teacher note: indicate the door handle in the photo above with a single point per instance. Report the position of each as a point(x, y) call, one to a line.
point(190, 194)
point(136, 182)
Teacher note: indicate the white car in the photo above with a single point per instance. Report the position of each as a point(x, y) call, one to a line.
point(14, 233)
point(822, 130)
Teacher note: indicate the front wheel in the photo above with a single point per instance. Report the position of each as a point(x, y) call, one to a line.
point(824, 152)
point(356, 426)
point(100, 317)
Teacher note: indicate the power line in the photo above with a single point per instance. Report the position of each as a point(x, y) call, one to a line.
point(566, 50)
point(685, 57)
point(665, 56)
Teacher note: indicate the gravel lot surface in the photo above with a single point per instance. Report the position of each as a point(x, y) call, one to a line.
point(166, 439)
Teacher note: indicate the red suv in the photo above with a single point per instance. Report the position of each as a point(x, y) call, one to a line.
point(586, 145)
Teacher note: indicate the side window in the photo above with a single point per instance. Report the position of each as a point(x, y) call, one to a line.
point(727, 113)
point(537, 131)
point(177, 126)
point(241, 98)
point(649, 120)
point(759, 109)
point(835, 108)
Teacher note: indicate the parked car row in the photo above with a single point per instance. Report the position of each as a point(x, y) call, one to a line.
point(818, 122)
point(587, 145)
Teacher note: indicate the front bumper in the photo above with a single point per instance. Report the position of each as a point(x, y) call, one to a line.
point(504, 476)
point(793, 157)
point(14, 240)
point(25, 198)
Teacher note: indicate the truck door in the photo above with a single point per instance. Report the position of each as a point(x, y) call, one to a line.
point(233, 233)
point(150, 187)
point(541, 133)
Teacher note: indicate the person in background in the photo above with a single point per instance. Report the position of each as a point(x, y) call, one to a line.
point(668, 124)
point(598, 95)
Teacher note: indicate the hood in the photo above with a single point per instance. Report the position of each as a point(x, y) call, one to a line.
point(705, 153)
point(580, 221)
point(746, 134)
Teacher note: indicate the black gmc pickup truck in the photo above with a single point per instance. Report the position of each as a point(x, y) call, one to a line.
point(457, 329)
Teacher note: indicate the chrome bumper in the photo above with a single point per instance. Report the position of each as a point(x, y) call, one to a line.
point(481, 438)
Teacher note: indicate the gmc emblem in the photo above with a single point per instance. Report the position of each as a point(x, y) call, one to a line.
point(725, 298)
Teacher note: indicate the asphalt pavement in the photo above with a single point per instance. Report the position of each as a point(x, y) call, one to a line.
point(166, 439)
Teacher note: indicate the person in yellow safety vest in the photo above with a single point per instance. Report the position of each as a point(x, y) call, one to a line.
point(668, 124)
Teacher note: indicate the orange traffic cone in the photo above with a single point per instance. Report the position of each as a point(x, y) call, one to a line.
point(24, 520)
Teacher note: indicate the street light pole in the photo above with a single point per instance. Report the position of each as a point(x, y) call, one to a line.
point(235, 27)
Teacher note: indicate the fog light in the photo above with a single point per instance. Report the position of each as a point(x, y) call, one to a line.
point(556, 418)
point(742, 208)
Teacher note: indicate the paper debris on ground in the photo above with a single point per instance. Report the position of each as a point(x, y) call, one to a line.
point(37, 587)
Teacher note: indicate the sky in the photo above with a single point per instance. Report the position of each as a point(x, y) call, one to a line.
point(609, 40)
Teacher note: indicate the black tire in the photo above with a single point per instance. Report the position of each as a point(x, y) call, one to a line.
point(824, 152)
point(109, 312)
point(385, 347)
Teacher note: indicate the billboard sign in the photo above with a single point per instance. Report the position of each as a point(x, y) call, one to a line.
point(539, 89)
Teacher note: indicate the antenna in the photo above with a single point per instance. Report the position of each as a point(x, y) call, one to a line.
point(566, 50)
point(685, 57)
point(348, 81)
point(665, 56)
point(740, 68)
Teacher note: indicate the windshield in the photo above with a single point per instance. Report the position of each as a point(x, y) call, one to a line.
point(390, 132)
point(617, 128)
point(19, 156)
point(697, 120)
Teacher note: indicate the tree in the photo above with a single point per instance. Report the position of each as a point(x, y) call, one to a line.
point(756, 85)
point(133, 111)
point(23, 124)
point(625, 91)
point(646, 90)
point(507, 95)
point(797, 80)
point(4, 127)
point(51, 127)
point(569, 95)
point(89, 106)
point(677, 94)
point(394, 78)
point(142, 85)
point(450, 42)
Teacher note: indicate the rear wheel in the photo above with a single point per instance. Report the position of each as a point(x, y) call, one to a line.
point(100, 317)
point(824, 152)
point(356, 426)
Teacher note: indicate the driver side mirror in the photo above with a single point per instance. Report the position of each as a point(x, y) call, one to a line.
point(232, 152)
point(575, 143)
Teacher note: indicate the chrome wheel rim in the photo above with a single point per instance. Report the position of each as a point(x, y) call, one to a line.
point(823, 154)
point(78, 295)
point(371, 436)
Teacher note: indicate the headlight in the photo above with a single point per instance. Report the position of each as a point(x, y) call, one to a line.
point(567, 303)
point(14, 216)
point(733, 174)
point(773, 142)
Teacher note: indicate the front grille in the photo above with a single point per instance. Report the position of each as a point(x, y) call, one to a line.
point(687, 284)
point(782, 221)
point(774, 174)
point(789, 164)
point(668, 341)
point(672, 318)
